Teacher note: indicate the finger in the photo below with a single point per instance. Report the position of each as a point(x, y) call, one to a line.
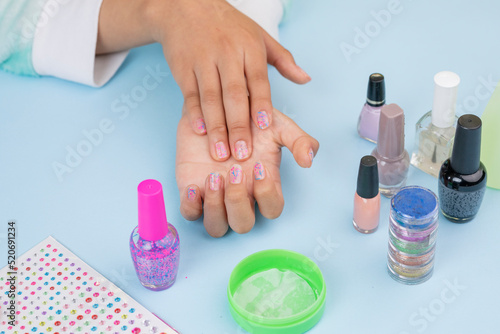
point(260, 91)
point(191, 207)
point(215, 218)
point(192, 105)
point(303, 146)
point(270, 202)
point(240, 207)
point(235, 97)
point(213, 112)
point(282, 59)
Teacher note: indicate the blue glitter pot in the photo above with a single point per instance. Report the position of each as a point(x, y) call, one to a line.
point(412, 235)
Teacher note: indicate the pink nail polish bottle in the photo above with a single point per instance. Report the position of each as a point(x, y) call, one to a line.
point(370, 114)
point(154, 244)
point(367, 198)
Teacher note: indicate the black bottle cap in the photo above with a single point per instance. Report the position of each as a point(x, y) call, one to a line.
point(376, 90)
point(465, 158)
point(367, 177)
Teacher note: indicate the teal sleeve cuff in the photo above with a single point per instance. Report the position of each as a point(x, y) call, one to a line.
point(18, 20)
point(286, 7)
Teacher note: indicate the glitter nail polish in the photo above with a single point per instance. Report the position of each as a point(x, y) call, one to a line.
point(413, 225)
point(370, 114)
point(367, 198)
point(393, 159)
point(462, 178)
point(154, 243)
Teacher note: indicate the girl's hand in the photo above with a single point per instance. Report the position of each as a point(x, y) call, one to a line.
point(226, 191)
point(217, 55)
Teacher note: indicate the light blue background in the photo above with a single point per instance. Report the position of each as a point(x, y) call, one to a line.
point(93, 210)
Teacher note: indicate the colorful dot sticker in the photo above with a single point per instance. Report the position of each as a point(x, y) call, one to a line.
point(59, 293)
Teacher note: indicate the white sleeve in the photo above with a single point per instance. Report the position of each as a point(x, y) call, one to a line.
point(65, 43)
point(266, 13)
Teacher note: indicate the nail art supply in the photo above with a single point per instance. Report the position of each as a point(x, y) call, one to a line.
point(462, 178)
point(154, 243)
point(413, 225)
point(367, 198)
point(369, 117)
point(276, 291)
point(58, 292)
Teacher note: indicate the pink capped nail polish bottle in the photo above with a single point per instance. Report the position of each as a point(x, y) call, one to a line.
point(367, 198)
point(154, 243)
point(370, 114)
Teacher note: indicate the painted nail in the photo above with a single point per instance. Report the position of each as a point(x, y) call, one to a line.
point(200, 126)
point(220, 149)
point(311, 154)
point(214, 181)
point(235, 174)
point(241, 149)
point(191, 193)
point(262, 119)
point(259, 172)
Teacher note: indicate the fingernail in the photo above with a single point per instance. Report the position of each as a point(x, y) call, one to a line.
point(304, 73)
point(262, 119)
point(191, 193)
point(200, 126)
point(241, 149)
point(235, 174)
point(259, 172)
point(220, 149)
point(214, 181)
point(311, 154)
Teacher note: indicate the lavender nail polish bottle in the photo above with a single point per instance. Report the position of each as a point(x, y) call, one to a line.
point(370, 114)
point(154, 244)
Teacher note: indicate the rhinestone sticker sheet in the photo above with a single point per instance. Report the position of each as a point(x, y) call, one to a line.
point(56, 292)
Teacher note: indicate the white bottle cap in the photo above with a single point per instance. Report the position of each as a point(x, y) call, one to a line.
point(445, 99)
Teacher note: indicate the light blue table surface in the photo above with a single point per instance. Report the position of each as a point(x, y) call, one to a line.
point(93, 209)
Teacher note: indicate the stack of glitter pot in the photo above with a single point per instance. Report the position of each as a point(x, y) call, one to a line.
point(412, 235)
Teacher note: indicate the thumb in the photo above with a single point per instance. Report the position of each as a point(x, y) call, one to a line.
point(282, 59)
point(289, 134)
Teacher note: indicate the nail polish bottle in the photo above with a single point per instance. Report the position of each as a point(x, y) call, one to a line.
point(393, 159)
point(435, 131)
point(462, 179)
point(375, 98)
point(367, 198)
point(154, 244)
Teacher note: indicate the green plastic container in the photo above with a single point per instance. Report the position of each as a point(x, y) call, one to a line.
point(282, 260)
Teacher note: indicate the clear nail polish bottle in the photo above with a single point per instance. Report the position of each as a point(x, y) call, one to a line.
point(154, 244)
point(462, 178)
point(367, 198)
point(435, 131)
point(369, 117)
point(393, 159)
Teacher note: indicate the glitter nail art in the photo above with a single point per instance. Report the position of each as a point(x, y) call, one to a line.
point(262, 119)
point(214, 181)
point(235, 175)
point(220, 149)
point(259, 171)
point(311, 154)
point(241, 149)
point(191, 193)
point(200, 126)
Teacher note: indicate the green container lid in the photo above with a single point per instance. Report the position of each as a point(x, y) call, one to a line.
point(282, 260)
